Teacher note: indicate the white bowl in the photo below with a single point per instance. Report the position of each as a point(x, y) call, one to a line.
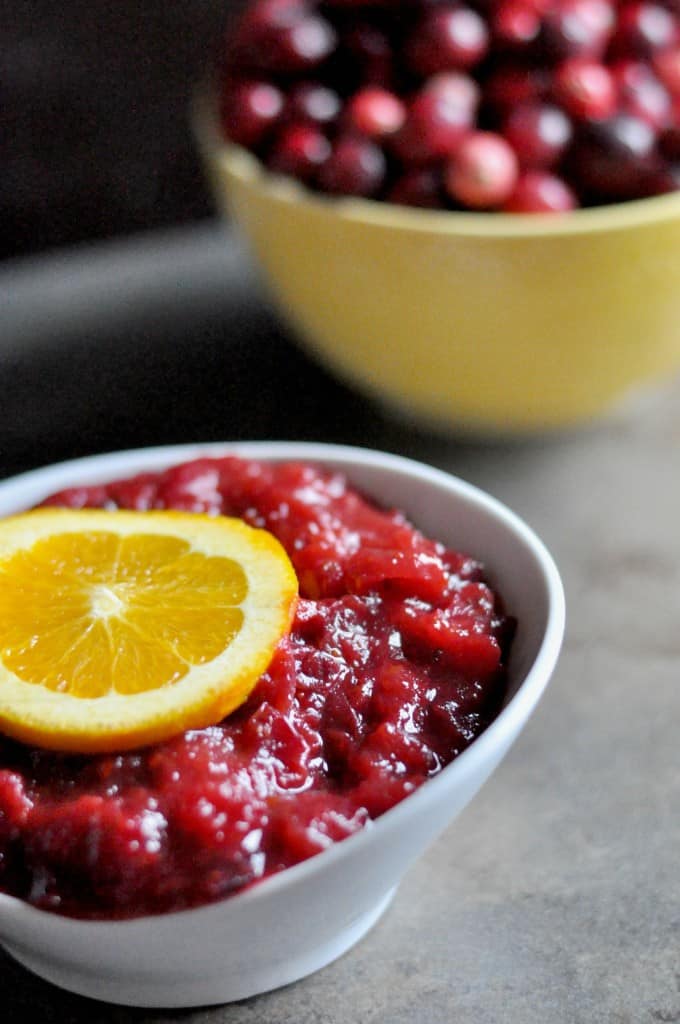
point(303, 918)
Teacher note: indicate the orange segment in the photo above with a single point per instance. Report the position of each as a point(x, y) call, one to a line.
point(119, 629)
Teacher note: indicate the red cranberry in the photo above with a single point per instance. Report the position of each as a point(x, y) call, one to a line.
point(297, 46)
point(448, 38)
point(539, 133)
point(311, 101)
point(516, 24)
point(455, 88)
point(433, 129)
point(645, 28)
point(421, 186)
point(510, 85)
point(484, 171)
point(669, 143)
point(539, 192)
point(371, 52)
point(667, 66)
point(300, 151)
point(663, 181)
point(585, 89)
point(577, 28)
point(641, 93)
point(614, 157)
point(250, 112)
point(375, 112)
point(356, 167)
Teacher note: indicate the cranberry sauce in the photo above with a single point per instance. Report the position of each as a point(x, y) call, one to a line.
point(393, 665)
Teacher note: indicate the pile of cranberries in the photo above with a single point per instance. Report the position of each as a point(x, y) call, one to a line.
point(514, 105)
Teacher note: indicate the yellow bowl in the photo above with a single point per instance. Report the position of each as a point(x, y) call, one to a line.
point(495, 323)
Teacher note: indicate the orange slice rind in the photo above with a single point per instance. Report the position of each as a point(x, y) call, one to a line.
point(120, 629)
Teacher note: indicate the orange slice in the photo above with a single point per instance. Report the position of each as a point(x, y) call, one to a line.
point(119, 629)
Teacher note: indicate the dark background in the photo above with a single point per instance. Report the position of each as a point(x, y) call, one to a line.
point(94, 133)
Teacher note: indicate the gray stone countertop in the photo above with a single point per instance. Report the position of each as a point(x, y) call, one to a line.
point(555, 897)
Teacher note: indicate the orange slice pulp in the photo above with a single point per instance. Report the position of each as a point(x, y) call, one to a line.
point(119, 629)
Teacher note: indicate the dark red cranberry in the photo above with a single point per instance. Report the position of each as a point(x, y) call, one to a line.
point(540, 192)
point(455, 88)
point(483, 173)
point(356, 167)
point(433, 129)
point(614, 157)
point(663, 181)
point(641, 93)
point(300, 45)
point(539, 133)
point(311, 101)
point(300, 150)
point(585, 89)
point(644, 29)
point(375, 112)
point(577, 28)
point(509, 85)
point(250, 112)
point(420, 187)
point(448, 38)
point(669, 143)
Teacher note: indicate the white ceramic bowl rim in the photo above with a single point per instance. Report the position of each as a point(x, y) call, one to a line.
point(39, 483)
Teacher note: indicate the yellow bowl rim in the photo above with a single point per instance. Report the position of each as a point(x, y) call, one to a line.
point(244, 166)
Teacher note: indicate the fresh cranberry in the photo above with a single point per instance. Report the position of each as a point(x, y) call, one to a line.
point(375, 112)
point(300, 151)
point(311, 101)
point(299, 46)
point(577, 28)
point(484, 171)
point(539, 133)
point(509, 85)
point(644, 29)
point(421, 186)
point(515, 24)
point(663, 181)
point(586, 89)
point(456, 89)
point(433, 129)
point(669, 143)
point(540, 192)
point(250, 112)
point(448, 38)
point(356, 167)
point(667, 67)
point(370, 55)
point(614, 157)
point(641, 93)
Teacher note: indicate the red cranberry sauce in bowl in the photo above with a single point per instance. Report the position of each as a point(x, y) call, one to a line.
point(514, 105)
point(394, 663)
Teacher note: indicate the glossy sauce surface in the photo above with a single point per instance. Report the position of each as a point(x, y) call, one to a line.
point(394, 663)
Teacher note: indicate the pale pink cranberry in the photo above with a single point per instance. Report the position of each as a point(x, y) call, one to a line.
point(421, 186)
point(356, 167)
point(456, 89)
point(375, 112)
point(300, 150)
point(448, 38)
point(539, 133)
point(541, 192)
point(483, 173)
point(250, 112)
point(585, 89)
